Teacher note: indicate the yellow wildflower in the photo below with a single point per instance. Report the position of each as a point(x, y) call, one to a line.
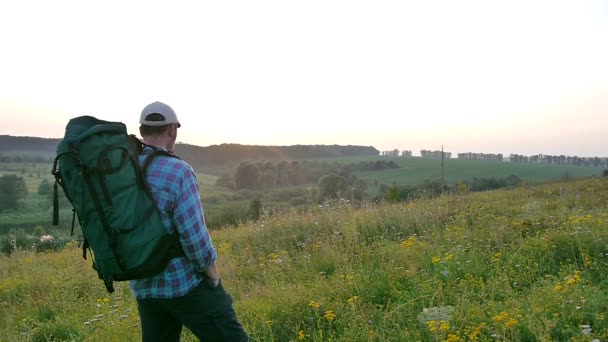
point(313, 304)
point(501, 317)
point(558, 287)
point(444, 326)
point(223, 247)
point(572, 279)
point(329, 315)
point(408, 243)
point(476, 332)
point(496, 257)
point(511, 322)
point(452, 338)
point(106, 300)
point(353, 299)
point(432, 325)
point(435, 260)
point(587, 260)
point(346, 277)
point(301, 335)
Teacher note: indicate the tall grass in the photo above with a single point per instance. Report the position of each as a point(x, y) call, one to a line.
point(528, 264)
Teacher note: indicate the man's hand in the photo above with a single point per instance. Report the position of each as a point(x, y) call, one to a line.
point(212, 273)
point(215, 281)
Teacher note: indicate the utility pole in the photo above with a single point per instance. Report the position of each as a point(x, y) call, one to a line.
point(442, 169)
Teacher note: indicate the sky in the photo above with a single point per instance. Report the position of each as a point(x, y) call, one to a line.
point(523, 77)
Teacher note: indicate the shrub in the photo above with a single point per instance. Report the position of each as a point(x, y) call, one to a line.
point(12, 190)
point(298, 201)
point(255, 209)
point(39, 231)
point(22, 241)
point(45, 187)
point(6, 245)
point(49, 243)
point(228, 216)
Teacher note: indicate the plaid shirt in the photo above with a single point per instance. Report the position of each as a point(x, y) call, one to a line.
point(175, 190)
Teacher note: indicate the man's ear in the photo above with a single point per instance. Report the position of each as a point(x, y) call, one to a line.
point(172, 131)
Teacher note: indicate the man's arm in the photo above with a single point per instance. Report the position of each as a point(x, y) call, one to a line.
point(189, 220)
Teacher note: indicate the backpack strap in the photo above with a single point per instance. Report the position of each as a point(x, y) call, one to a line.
point(55, 172)
point(176, 249)
point(55, 205)
point(156, 152)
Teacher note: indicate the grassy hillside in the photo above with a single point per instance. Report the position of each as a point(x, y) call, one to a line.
point(527, 264)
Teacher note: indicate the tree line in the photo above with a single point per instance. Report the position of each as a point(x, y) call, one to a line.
point(199, 157)
point(560, 160)
point(33, 144)
point(202, 157)
point(266, 175)
point(480, 156)
point(435, 154)
point(26, 158)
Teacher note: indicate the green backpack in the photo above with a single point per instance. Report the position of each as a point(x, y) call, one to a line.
point(97, 166)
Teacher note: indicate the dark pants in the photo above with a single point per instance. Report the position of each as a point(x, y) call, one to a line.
point(206, 311)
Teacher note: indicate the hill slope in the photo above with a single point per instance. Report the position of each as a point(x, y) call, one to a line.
point(524, 264)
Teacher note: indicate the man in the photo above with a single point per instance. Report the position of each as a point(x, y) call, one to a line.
point(189, 291)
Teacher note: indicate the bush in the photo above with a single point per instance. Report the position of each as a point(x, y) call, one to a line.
point(298, 201)
point(6, 245)
point(22, 241)
point(49, 243)
point(39, 231)
point(229, 216)
point(330, 186)
point(12, 190)
point(45, 187)
point(284, 195)
point(255, 209)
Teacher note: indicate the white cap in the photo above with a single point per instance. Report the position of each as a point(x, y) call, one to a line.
point(166, 115)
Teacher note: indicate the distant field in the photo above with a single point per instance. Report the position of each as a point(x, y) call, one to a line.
point(415, 170)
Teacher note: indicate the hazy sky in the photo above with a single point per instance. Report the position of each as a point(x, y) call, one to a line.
point(475, 76)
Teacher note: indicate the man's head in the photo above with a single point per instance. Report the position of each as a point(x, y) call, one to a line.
point(159, 125)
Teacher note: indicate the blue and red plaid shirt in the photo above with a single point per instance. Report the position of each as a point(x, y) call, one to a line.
point(175, 190)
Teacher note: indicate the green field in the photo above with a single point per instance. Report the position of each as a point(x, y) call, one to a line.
point(527, 264)
point(218, 201)
point(415, 170)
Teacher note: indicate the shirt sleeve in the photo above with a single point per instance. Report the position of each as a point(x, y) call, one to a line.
point(189, 220)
